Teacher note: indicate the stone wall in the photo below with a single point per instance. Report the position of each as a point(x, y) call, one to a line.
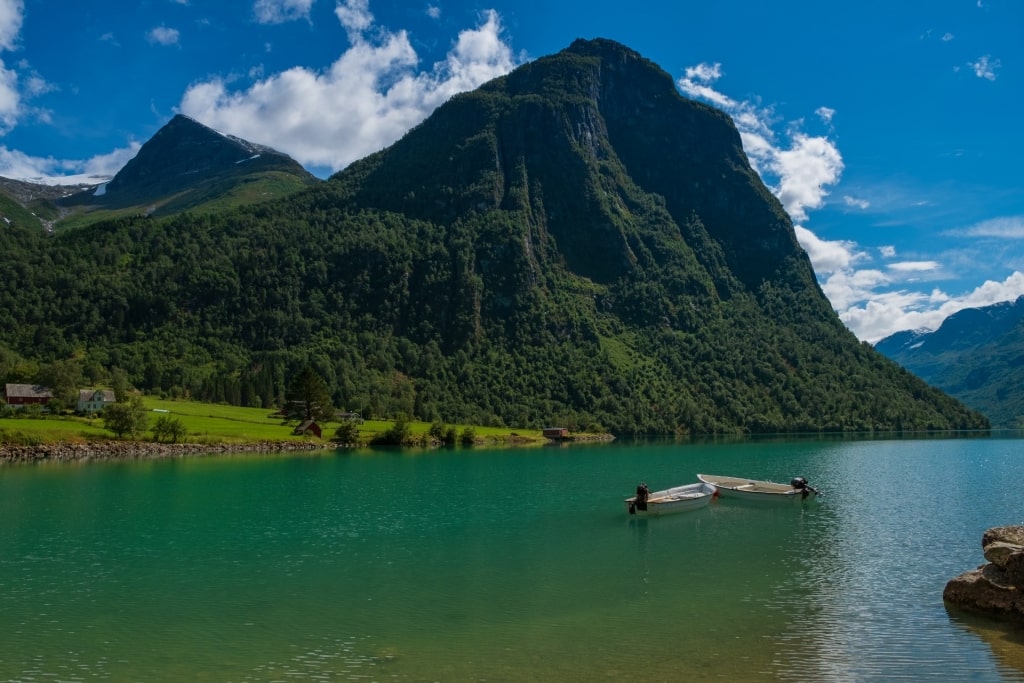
point(995, 588)
point(140, 450)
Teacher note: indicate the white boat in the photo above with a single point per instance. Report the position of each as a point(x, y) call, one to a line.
point(755, 489)
point(675, 499)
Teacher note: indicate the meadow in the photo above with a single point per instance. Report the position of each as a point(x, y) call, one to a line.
point(225, 424)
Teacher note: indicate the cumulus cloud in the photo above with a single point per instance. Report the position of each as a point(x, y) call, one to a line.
point(161, 35)
point(985, 67)
point(51, 171)
point(898, 310)
point(798, 169)
point(280, 11)
point(367, 99)
point(12, 13)
point(873, 301)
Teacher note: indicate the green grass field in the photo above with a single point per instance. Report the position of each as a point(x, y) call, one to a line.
point(214, 423)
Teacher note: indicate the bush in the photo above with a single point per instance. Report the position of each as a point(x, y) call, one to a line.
point(347, 434)
point(396, 436)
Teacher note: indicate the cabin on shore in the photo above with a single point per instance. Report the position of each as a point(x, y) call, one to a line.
point(21, 395)
point(556, 433)
point(308, 428)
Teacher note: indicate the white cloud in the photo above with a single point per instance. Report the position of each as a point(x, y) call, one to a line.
point(1007, 227)
point(280, 11)
point(800, 169)
point(946, 37)
point(901, 310)
point(805, 171)
point(856, 202)
point(12, 13)
point(914, 266)
point(50, 171)
point(433, 12)
point(162, 35)
point(367, 99)
point(704, 72)
point(829, 256)
point(985, 67)
point(355, 16)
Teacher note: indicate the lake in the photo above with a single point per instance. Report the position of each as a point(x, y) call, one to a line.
point(506, 565)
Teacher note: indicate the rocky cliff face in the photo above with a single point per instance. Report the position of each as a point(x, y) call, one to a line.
point(607, 166)
point(996, 588)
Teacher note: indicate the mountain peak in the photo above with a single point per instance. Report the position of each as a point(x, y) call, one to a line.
point(184, 164)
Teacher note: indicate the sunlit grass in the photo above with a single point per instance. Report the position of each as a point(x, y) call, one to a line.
point(218, 423)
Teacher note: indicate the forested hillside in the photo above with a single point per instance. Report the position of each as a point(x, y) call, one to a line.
point(574, 243)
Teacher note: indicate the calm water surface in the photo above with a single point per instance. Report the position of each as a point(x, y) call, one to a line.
point(505, 565)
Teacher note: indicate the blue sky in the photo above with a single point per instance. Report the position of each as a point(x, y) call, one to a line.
point(891, 131)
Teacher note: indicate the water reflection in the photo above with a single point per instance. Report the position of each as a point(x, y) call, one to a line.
point(1005, 640)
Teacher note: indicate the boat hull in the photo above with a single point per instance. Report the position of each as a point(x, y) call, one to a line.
point(673, 500)
point(755, 490)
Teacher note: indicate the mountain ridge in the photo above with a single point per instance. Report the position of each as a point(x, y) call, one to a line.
point(976, 355)
point(572, 243)
point(184, 166)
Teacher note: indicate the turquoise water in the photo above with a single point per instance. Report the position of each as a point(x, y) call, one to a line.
point(505, 565)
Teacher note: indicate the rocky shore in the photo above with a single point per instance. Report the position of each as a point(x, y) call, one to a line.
point(142, 450)
point(997, 587)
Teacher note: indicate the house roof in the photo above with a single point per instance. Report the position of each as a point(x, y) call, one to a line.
point(27, 391)
point(105, 395)
point(310, 425)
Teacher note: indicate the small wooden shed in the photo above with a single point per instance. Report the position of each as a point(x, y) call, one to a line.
point(308, 428)
point(556, 433)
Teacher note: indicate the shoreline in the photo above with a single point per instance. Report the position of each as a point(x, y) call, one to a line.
point(142, 450)
point(72, 451)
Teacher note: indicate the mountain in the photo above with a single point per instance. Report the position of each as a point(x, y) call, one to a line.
point(32, 205)
point(188, 166)
point(976, 355)
point(573, 244)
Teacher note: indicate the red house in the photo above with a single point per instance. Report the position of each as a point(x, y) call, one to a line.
point(26, 394)
point(308, 428)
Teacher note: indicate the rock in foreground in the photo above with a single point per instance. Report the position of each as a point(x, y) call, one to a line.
point(996, 588)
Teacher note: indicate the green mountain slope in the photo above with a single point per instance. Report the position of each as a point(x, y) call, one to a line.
point(574, 243)
point(976, 355)
point(188, 166)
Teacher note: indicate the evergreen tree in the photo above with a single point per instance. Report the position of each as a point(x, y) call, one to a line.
point(308, 397)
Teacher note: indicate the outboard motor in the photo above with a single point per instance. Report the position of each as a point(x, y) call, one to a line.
point(801, 485)
point(642, 494)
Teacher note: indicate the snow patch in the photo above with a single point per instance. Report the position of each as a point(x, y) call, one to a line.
point(78, 179)
point(242, 161)
point(100, 190)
